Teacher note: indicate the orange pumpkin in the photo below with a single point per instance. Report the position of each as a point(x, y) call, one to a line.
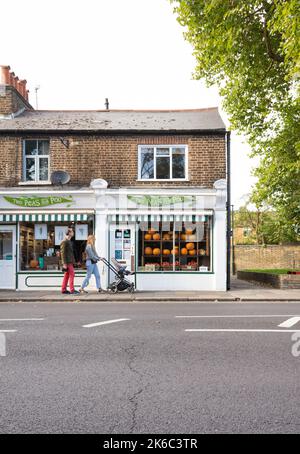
point(188, 231)
point(175, 251)
point(147, 236)
point(166, 237)
point(184, 251)
point(192, 252)
point(148, 250)
point(166, 252)
point(33, 263)
point(183, 236)
point(156, 251)
point(156, 236)
point(190, 246)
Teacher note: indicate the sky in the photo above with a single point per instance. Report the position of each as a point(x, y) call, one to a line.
point(132, 52)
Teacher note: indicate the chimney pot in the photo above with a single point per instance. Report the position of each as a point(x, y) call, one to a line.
point(11, 78)
point(4, 75)
point(106, 104)
point(16, 80)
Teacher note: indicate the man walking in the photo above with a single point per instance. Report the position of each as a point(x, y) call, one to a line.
point(68, 260)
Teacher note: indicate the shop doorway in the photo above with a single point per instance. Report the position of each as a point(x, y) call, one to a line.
point(7, 257)
point(122, 246)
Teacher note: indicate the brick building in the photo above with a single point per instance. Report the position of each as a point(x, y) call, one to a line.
point(151, 185)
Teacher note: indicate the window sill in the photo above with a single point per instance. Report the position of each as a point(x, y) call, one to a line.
point(34, 183)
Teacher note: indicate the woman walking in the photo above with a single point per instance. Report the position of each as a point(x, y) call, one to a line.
point(91, 264)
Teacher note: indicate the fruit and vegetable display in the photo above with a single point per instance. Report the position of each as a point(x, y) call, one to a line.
point(170, 250)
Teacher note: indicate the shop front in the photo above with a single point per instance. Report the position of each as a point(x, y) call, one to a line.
point(172, 239)
point(32, 226)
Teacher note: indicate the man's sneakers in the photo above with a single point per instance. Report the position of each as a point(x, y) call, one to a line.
point(66, 292)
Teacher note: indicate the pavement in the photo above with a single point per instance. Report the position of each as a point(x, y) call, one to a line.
point(240, 291)
point(150, 368)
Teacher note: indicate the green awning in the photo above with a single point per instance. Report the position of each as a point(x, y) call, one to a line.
point(64, 217)
point(158, 217)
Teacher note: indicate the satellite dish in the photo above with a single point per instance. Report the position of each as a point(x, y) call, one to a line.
point(60, 177)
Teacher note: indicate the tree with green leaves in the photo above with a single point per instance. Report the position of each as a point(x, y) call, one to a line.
point(251, 50)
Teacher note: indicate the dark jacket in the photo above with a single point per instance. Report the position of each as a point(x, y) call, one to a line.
point(66, 252)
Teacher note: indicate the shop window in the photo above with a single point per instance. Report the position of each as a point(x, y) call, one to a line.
point(40, 244)
point(175, 246)
point(36, 160)
point(163, 162)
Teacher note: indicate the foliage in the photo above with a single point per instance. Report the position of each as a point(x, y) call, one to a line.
point(251, 50)
point(267, 226)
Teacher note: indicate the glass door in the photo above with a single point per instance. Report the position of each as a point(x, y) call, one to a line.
point(122, 246)
point(7, 257)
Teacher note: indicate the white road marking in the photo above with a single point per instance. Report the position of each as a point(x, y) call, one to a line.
point(8, 330)
point(245, 330)
point(290, 322)
point(232, 316)
point(20, 319)
point(107, 322)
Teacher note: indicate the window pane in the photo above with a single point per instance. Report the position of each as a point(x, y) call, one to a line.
point(6, 245)
point(43, 169)
point(147, 163)
point(43, 146)
point(31, 147)
point(178, 163)
point(30, 169)
point(162, 167)
point(162, 152)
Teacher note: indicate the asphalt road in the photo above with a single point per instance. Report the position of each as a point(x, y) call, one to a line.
point(148, 374)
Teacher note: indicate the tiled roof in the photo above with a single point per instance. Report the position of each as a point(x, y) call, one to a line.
point(115, 120)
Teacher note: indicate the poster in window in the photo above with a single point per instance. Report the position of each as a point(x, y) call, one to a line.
point(127, 244)
point(81, 232)
point(118, 244)
point(60, 233)
point(126, 255)
point(118, 254)
point(126, 233)
point(40, 231)
point(118, 234)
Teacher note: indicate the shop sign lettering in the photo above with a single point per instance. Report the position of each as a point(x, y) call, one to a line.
point(161, 200)
point(39, 201)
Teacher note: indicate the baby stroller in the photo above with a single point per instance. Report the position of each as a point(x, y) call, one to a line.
point(121, 283)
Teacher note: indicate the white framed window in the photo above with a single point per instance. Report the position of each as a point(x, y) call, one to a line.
point(36, 163)
point(163, 162)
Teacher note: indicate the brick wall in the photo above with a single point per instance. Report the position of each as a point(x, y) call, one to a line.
point(11, 101)
point(115, 158)
point(269, 257)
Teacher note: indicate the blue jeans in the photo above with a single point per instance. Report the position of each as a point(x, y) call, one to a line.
point(91, 268)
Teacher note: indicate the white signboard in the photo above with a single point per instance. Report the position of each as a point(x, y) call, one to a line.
point(60, 233)
point(81, 232)
point(40, 231)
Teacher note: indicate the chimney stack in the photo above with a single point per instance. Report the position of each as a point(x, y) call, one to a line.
point(9, 78)
point(13, 92)
point(106, 104)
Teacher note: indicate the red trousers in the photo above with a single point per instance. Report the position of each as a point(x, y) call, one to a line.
point(69, 275)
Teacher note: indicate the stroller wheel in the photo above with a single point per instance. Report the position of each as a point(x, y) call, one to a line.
point(131, 288)
point(114, 289)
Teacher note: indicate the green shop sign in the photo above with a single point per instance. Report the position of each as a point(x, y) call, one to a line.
point(39, 201)
point(158, 201)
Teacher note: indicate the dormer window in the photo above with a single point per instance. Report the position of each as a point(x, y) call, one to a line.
point(163, 163)
point(35, 161)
